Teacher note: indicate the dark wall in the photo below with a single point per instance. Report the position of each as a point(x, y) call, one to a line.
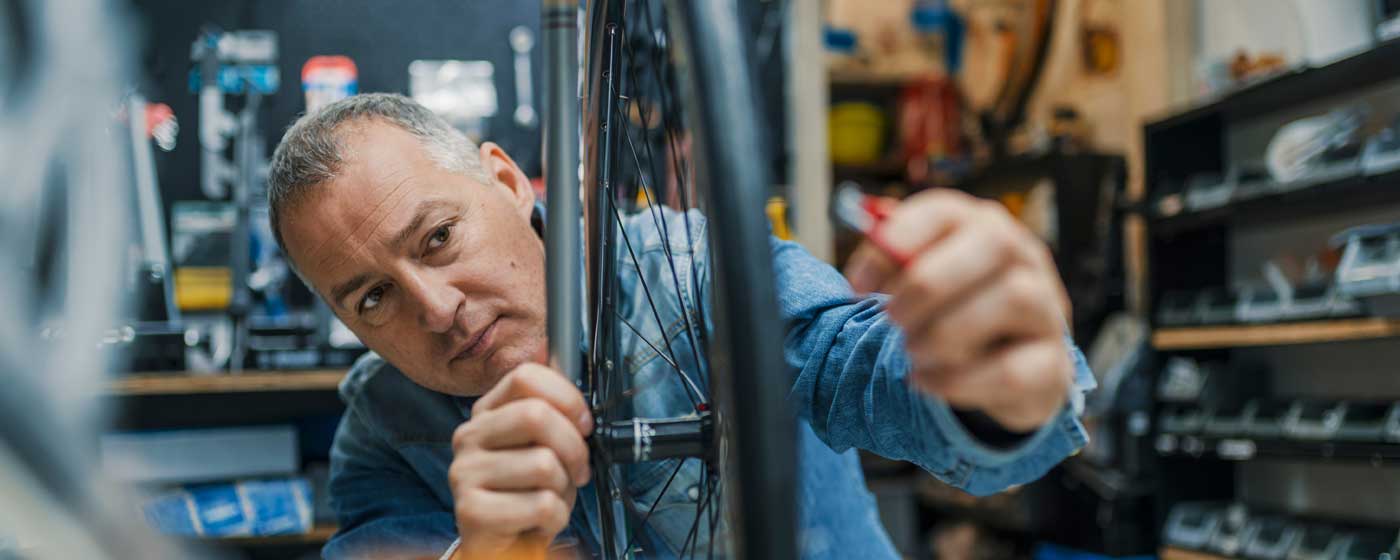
point(381, 36)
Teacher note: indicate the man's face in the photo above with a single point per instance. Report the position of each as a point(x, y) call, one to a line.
point(439, 274)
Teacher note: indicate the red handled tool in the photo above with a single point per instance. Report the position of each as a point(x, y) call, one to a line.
point(866, 214)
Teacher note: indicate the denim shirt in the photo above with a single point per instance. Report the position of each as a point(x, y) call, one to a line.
point(846, 359)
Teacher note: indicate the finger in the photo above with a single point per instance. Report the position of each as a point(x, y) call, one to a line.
point(1016, 304)
point(868, 267)
point(1039, 254)
point(945, 274)
point(524, 423)
point(911, 226)
point(927, 216)
point(1021, 386)
point(537, 381)
point(511, 513)
point(533, 468)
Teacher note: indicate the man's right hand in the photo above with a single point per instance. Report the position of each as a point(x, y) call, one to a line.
point(518, 462)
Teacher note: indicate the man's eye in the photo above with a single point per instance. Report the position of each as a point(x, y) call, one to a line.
point(372, 298)
point(440, 236)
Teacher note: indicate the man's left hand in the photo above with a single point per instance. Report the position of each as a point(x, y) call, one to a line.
point(980, 302)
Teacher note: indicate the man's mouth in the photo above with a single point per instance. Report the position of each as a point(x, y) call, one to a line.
point(478, 345)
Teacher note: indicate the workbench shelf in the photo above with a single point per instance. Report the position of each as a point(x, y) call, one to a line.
point(1280, 334)
point(316, 536)
point(149, 384)
point(1174, 553)
point(1347, 193)
point(1292, 88)
point(1245, 449)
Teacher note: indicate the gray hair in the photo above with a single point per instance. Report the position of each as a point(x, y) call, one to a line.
point(311, 152)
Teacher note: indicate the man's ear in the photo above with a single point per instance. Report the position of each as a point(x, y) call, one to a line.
point(507, 174)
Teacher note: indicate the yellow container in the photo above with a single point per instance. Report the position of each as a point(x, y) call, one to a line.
point(203, 288)
point(856, 133)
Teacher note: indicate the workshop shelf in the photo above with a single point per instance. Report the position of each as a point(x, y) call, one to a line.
point(1245, 449)
point(1312, 332)
point(1346, 193)
point(1291, 88)
point(317, 535)
point(246, 382)
point(865, 79)
point(1174, 553)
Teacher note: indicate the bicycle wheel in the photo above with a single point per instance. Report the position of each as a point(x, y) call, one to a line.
point(672, 149)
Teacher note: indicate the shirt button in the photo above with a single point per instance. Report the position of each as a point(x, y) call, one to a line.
point(693, 493)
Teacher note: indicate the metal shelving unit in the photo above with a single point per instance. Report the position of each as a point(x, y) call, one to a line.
point(1359, 191)
point(1292, 88)
point(1195, 250)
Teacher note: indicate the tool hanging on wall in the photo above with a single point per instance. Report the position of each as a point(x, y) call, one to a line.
point(522, 40)
point(1008, 44)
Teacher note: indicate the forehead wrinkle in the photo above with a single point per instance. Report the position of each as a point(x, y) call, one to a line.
point(364, 222)
point(349, 153)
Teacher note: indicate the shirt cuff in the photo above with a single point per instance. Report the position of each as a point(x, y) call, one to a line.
point(987, 430)
point(451, 549)
point(980, 468)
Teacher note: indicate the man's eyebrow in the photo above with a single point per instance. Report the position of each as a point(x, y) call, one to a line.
point(420, 215)
point(340, 292)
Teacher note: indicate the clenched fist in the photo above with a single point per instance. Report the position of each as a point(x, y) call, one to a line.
point(980, 302)
point(518, 463)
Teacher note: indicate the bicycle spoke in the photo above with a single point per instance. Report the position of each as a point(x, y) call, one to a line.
point(667, 107)
point(654, 207)
point(717, 489)
point(655, 204)
point(602, 487)
point(693, 392)
point(681, 170)
point(694, 533)
point(649, 343)
point(646, 383)
point(595, 377)
point(696, 396)
point(628, 527)
point(679, 464)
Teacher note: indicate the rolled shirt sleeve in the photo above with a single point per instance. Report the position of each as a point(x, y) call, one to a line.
point(850, 384)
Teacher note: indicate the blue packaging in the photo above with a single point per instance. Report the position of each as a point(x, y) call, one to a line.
point(233, 509)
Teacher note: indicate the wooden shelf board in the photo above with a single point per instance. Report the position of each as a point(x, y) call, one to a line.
point(246, 382)
point(1200, 338)
point(887, 168)
point(1173, 553)
point(318, 534)
point(858, 78)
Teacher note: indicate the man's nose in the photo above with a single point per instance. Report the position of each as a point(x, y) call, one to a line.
point(438, 301)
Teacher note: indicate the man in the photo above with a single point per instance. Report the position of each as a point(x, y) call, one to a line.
point(456, 440)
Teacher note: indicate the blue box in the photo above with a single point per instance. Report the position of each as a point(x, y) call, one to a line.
point(233, 509)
